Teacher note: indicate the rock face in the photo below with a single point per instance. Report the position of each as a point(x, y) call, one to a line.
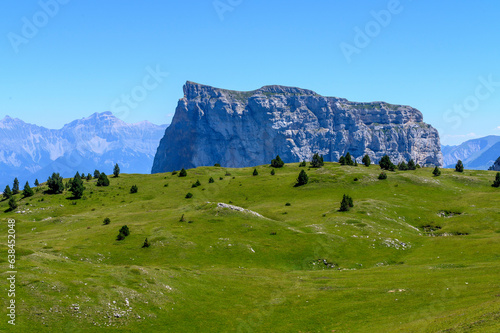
point(496, 166)
point(239, 129)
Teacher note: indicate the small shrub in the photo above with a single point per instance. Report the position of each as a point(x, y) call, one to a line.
point(436, 172)
point(382, 176)
point(12, 203)
point(183, 173)
point(174, 173)
point(146, 243)
point(227, 174)
point(211, 180)
point(221, 178)
point(255, 172)
point(288, 204)
point(182, 219)
point(302, 164)
point(106, 221)
point(217, 165)
point(134, 189)
point(189, 195)
point(273, 172)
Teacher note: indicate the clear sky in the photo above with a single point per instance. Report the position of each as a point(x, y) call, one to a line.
point(62, 60)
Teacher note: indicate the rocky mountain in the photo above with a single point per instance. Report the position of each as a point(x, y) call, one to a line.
point(476, 154)
point(32, 152)
point(496, 165)
point(238, 129)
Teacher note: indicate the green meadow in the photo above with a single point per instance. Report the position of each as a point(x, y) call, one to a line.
point(416, 253)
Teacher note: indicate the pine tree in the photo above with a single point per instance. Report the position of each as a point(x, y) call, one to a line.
point(346, 203)
point(211, 180)
point(255, 172)
point(342, 160)
point(386, 164)
point(317, 161)
point(402, 166)
point(411, 165)
point(12, 203)
point(96, 174)
point(277, 162)
point(436, 172)
point(77, 187)
point(27, 191)
point(146, 243)
point(496, 183)
point(7, 193)
point(355, 163)
point(102, 180)
point(116, 170)
point(348, 159)
point(459, 167)
point(183, 173)
point(196, 184)
point(37, 183)
point(134, 189)
point(89, 177)
point(15, 187)
point(55, 184)
point(303, 178)
point(367, 161)
point(273, 172)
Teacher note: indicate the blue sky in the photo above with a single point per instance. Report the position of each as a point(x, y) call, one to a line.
point(62, 60)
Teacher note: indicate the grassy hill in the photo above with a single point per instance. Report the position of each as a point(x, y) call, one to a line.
point(417, 253)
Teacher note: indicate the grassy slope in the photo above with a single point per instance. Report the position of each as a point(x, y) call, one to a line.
point(226, 272)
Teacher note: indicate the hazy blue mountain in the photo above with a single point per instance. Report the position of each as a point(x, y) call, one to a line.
point(29, 151)
point(477, 154)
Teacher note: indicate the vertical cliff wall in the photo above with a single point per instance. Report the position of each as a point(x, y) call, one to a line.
point(238, 129)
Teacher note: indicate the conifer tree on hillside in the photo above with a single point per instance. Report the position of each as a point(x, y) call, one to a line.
point(342, 160)
point(77, 187)
point(302, 164)
point(89, 177)
point(55, 184)
point(255, 172)
point(386, 164)
point(12, 203)
point(96, 174)
point(277, 162)
point(102, 180)
point(37, 183)
point(273, 172)
point(7, 193)
point(15, 187)
point(134, 189)
point(366, 160)
point(402, 166)
point(116, 170)
point(496, 183)
point(411, 165)
point(302, 179)
point(317, 161)
point(459, 167)
point(27, 191)
point(346, 204)
point(348, 159)
point(183, 173)
point(436, 172)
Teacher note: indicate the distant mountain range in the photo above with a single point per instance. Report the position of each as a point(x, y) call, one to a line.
point(476, 154)
point(31, 152)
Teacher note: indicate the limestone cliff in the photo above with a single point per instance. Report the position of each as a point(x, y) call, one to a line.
point(238, 129)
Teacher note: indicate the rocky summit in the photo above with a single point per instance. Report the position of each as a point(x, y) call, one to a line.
point(238, 129)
